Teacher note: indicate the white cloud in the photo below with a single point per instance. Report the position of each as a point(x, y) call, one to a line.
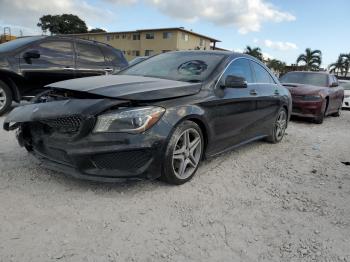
point(25, 14)
point(246, 15)
point(279, 45)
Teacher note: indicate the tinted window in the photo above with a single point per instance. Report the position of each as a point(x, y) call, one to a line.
point(89, 54)
point(306, 78)
point(20, 42)
point(181, 66)
point(239, 68)
point(345, 84)
point(114, 57)
point(261, 75)
point(54, 52)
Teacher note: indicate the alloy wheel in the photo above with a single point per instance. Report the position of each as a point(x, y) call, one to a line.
point(281, 125)
point(3, 98)
point(187, 153)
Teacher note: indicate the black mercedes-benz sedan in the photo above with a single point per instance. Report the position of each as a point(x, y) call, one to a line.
point(158, 118)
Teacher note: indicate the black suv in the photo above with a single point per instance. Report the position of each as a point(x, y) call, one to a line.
point(29, 63)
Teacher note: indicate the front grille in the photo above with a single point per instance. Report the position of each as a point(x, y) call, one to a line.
point(124, 160)
point(70, 124)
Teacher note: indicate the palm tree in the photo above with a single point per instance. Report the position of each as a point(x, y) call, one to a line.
point(256, 52)
point(346, 60)
point(276, 65)
point(338, 66)
point(312, 59)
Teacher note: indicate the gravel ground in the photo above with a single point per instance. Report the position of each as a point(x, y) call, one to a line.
point(261, 202)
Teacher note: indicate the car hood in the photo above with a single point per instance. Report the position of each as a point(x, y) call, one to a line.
point(130, 87)
point(300, 89)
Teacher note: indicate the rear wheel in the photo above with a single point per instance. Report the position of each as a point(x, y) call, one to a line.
point(5, 98)
point(279, 127)
point(183, 154)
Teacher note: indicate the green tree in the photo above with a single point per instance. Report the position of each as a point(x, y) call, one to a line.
point(338, 66)
point(312, 59)
point(97, 30)
point(62, 24)
point(256, 52)
point(346, 60)
point(276, 65)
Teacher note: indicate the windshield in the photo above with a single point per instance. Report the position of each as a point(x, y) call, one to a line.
point(181, 66)
point(345, 84)
point(306, 78)
point(14, 44)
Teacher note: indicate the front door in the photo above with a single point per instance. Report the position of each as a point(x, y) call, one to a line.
point(55, 63)
point(233, 113)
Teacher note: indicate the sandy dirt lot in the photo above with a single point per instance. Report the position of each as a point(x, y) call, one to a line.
point(261, 202)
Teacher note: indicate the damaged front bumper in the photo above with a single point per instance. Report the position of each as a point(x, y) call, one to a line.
point(59, 135)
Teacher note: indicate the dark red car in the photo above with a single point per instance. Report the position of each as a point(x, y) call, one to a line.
point(314, 94)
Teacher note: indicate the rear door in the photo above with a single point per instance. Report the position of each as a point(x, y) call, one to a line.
point(234, 114)
point(115, 59)
point(268, 99)
point(335, 95)
point(90, 60)
point(56, 63)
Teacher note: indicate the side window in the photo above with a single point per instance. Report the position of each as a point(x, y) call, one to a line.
point(261, 75)
point(54, 52)
point(114, 57)
point(89, 55)
point(240, 68)
point(335, 80)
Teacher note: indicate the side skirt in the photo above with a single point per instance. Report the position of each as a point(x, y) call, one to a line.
point(237, 145)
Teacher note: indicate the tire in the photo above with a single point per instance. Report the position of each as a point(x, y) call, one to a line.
point(319, 120)
point(182, 158)
point(338, 113)
point(279, 127)
point(5, 98)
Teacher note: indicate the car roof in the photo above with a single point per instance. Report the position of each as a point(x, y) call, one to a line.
point(71, 38)
point(312, 72)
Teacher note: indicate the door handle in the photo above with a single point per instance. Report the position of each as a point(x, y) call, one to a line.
point(108, 70)
point(253, 92)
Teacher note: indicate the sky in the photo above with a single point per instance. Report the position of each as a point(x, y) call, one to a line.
point(282, 29)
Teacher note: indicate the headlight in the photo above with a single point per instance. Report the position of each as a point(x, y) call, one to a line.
point(130, 120)
point(311, 98)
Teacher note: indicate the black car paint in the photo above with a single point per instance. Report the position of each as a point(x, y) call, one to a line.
point(228, 117)
point(27, 77)
point(130, 87)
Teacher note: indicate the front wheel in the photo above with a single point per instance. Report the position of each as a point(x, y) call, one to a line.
point(183, 154)
point(5, 98)
point(279, 127)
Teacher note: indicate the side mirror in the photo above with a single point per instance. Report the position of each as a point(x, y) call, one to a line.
point(334, 84)
point(31, 54)
point(232, 81)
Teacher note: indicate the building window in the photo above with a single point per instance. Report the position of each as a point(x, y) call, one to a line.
point(201, 42)
point(116, 36)
point(165, 51)
point(184, 36)
point(150, 35)
point(109, 37)
point(167, 35)
point(123, 36)
point(149, 52)
point(136, 37)
point(135, 53)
